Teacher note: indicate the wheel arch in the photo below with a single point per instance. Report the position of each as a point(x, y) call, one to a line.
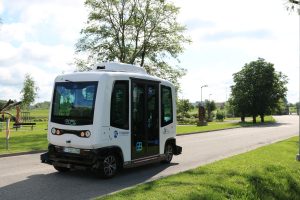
point(170, 141)
point(111, 149)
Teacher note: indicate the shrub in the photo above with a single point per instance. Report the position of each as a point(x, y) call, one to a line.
point(195, 115)
point(220, 115)
point(187, 121)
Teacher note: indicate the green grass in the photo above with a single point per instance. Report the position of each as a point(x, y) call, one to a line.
point(25, 139)
point(35, 114)
point(39, 113)
point(269, 172)
point(212, 126)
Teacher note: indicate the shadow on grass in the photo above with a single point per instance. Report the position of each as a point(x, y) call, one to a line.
point(259, 124)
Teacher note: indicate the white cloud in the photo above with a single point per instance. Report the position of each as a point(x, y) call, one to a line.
point(38, 37)
point(1, 7)
point(7, 51)
point(14, 32)
point(228, 34)
point(42, 62)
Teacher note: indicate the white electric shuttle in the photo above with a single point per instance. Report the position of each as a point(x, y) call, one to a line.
point(112, 117)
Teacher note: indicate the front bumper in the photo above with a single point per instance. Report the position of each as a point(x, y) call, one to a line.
point(56, 156)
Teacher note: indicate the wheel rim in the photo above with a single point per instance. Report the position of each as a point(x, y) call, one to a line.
point(169, 153)
point(110, 165)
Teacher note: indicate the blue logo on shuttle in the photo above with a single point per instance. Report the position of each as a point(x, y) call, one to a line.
point(139, 146)
point(115, 134)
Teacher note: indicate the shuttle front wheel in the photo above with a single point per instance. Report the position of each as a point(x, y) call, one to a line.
point(107, 167)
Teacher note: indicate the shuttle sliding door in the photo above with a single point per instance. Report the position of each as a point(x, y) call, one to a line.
point(144, 118)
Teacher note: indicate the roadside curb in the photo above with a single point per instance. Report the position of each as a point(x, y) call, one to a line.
point(192, 133)
point(21, 153)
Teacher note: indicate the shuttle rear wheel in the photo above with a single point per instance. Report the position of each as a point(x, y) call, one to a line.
point(168, 153)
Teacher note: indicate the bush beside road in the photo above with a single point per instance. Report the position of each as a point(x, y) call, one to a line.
point(270, 172)
point(229, 123)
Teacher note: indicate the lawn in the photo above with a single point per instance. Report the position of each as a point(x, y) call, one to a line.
point(35, 114)
point(221, 125)
point(25, 139)
point(270, 172)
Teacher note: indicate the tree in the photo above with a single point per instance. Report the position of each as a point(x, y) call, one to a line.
point(258, 88)
point(144, 32)
point(291, 5)
point(2, 103)
point(229, 109)
point(29, 91)
point(282, 107)
point(209, 107)
point(183, 107)
point(298, 107)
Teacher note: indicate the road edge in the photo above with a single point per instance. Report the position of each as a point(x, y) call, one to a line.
point(21, 153)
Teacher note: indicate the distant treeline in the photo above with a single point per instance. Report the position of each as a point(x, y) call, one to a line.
point(41, 105)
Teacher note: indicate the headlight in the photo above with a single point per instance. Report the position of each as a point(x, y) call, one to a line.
point(53, 130)
point(81, 134)
point(87, 134)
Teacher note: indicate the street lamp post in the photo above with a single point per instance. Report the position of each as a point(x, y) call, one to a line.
point(201, 111)
point(201, 91)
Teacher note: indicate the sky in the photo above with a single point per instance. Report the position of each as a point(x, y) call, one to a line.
point(38, 38)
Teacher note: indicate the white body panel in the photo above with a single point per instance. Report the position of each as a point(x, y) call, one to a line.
point(102, 134)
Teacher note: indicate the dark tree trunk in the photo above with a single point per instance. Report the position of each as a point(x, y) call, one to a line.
point(254, 119)
point(243, 118)
point(262, 118)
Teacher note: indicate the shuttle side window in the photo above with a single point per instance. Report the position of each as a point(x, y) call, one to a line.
point(119, 109)
point(166, 106)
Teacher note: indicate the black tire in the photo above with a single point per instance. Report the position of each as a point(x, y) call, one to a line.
point(108, 166)
point(168, 153)
point(61, 169)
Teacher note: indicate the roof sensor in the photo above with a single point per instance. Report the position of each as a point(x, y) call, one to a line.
point(101, 67)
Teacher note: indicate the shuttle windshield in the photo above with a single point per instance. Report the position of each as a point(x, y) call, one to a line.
point(73, 103)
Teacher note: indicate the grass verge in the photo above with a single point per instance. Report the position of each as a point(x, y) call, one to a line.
point(25, 139)
point(212, 126)
point(269, 172)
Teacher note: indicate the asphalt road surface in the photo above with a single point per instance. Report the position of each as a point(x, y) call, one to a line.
point(24, 177)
